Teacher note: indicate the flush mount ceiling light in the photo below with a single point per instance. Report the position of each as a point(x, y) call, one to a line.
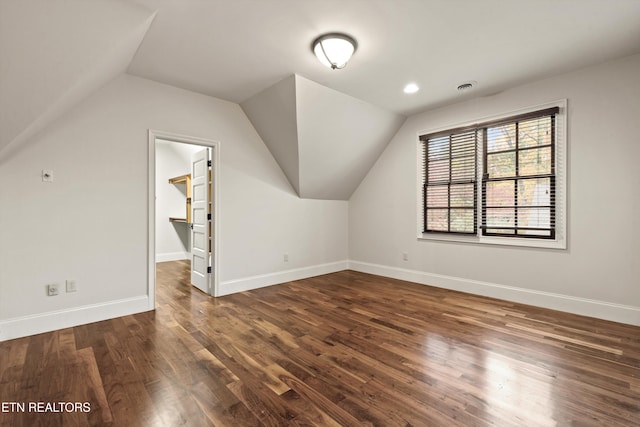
point(334, 49)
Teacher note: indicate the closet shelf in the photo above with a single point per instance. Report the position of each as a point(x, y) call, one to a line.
point(183, 179)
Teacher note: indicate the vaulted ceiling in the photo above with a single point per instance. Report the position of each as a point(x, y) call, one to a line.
point(234, 49)
point(53, 53)
point(324, 141)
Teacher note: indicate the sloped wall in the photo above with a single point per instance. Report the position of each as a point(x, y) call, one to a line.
point(324, 141)
point(51, 58)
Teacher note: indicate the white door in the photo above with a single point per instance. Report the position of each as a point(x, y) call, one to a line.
point(200, 234)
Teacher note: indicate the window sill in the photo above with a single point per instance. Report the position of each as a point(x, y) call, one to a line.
point(500, 241)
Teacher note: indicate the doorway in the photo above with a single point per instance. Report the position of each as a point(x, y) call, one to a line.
point(183, 207)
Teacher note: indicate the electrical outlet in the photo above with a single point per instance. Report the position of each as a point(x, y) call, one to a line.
point(405, 256)
point(71, 286)
point(53, 289)
point(285, 257)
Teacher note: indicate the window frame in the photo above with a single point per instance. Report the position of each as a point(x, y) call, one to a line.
point(451, 181)
point(559, 163)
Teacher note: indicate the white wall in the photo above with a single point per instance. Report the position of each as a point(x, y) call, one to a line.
point(597, 275)
point(172, 238)
point(91, 223)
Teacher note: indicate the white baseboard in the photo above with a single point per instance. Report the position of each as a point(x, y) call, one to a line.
point(172, 256)
point(255, 282)
point(586, 307)
point(45, 322)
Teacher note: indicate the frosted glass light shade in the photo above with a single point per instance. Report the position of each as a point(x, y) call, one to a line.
point(334, 50)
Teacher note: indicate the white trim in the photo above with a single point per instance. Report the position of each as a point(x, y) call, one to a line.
point(215, 161)
point(583, 306)
point(151, 206)
point(172, 256)
point(260, 281)
point(562, 163)
point(45, 322)
point(490, 240)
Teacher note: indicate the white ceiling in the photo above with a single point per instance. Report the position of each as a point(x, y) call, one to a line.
point(53, 53)
point(234, 49)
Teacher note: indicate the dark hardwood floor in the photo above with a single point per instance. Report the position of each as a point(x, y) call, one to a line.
point(345, 349)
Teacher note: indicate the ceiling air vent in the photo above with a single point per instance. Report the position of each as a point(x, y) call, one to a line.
point(466, 86)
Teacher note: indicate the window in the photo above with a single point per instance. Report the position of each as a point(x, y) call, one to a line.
point(518, 184)
point(496, 181)
point(450, 182)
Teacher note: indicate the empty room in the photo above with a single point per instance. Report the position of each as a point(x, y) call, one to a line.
point(319, 213)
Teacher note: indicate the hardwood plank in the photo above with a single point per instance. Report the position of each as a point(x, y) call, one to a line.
point(91, 374)
point(345, 349)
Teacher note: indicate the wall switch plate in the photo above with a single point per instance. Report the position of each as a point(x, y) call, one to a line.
point(405, 256)
point(53, 289)
point(71, 286)
point(285, 257)
point(47, 175)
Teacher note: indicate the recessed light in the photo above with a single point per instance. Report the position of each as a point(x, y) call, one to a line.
point(411, 88)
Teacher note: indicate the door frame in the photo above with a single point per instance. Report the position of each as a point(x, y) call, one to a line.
point(151, 206)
